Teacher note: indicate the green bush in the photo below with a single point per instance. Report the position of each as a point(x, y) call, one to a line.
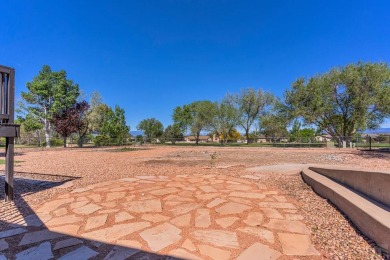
point(55, 142)
point(101, 140)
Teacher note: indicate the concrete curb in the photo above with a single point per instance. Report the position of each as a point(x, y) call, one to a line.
point(371, 217)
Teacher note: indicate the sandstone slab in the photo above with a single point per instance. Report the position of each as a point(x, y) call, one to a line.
point(232, 208)
point(83, 252)
point(143, 206)
point(295, 244)
point(288, 226)
point(42, 251)
point(95, 222)
point(214, 252)
point(258, 251)
point(115, 232)
point(67, 243)
point(119, 253)
point(161, 236)
point(226, 222)
point(217, 237)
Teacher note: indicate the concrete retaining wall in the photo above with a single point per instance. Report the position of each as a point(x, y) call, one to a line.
point(371, 218)
point(375, 185)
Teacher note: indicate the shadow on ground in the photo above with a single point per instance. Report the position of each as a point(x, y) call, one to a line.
point(23, 235)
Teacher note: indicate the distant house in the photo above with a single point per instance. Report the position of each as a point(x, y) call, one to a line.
point(374, 137)
point(202, 139)
point(323, 138)
point(261, 139)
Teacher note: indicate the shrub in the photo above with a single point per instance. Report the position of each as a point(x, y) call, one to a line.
point(101, 140)
point(55, 142)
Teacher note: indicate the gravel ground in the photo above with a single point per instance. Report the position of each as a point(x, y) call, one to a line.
point(72, 168)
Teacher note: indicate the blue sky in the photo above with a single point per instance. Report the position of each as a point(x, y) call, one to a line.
point(151, 56)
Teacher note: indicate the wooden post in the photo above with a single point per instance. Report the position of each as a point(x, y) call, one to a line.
point(9, 146)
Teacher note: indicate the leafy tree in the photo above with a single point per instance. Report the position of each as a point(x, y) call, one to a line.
point(30, 124)
point(343, 100)
point(49, 92)
point(251, 104)
point(71, 120)
point(114, 124)
point(225, 118)
point(273, 125)
point(196, 117)
point(172, 133)
point(98, 110)
point(81, 110)
point(294, 132)
point(152, 128)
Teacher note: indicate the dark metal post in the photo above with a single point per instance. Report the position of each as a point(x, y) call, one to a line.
point(9, 146)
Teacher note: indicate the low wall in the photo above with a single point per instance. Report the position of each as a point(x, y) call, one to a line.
point(371, 218)
point(375, 185)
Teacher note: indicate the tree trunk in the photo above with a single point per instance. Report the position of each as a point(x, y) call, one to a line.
point(39, 138)
point(247, 135)
point(197, 138)
point(64, 138)
point(47, 133)
point(80, 141)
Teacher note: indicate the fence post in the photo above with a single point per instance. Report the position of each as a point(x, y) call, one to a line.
point(369, 138)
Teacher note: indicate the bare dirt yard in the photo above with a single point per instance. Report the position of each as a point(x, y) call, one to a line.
point(58, 171)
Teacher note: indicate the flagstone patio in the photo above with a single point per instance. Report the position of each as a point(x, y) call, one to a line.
point(182, 216)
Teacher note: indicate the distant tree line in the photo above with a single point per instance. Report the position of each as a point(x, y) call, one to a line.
point(342, 102)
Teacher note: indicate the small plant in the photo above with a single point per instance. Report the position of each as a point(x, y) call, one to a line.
point(213, 157)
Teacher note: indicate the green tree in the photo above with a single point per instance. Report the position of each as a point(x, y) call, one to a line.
point(31, 124)
point(98, 110)
point(274, 123)
point(196, 117)
point(225, 118)
point(49, 92)
point(343, 100)
point(173, 133)
point(114, 125)
point(151, 127)
point(251, 104)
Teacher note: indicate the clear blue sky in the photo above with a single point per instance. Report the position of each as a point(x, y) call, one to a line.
point(151, 56)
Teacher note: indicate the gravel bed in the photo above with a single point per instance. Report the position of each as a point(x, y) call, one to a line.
point(332, 233)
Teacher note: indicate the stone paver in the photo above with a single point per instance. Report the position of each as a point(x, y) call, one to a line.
point(258, 251)
point(232, 208)
point(40, 252)
point(115, 232)
point(80, 253)
point(202, 218)
point(288, 225)
point(214, 252)
point(217, 237)
point(161, 236)
point(261, 233)
point(12, 232)
point(3, 245)
point(226, 222)
point(119, 253)
point(95, 222)
point(294, 244)
point(67, 243)
point(254, 219)
point(39, 236)
point(186, 216)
